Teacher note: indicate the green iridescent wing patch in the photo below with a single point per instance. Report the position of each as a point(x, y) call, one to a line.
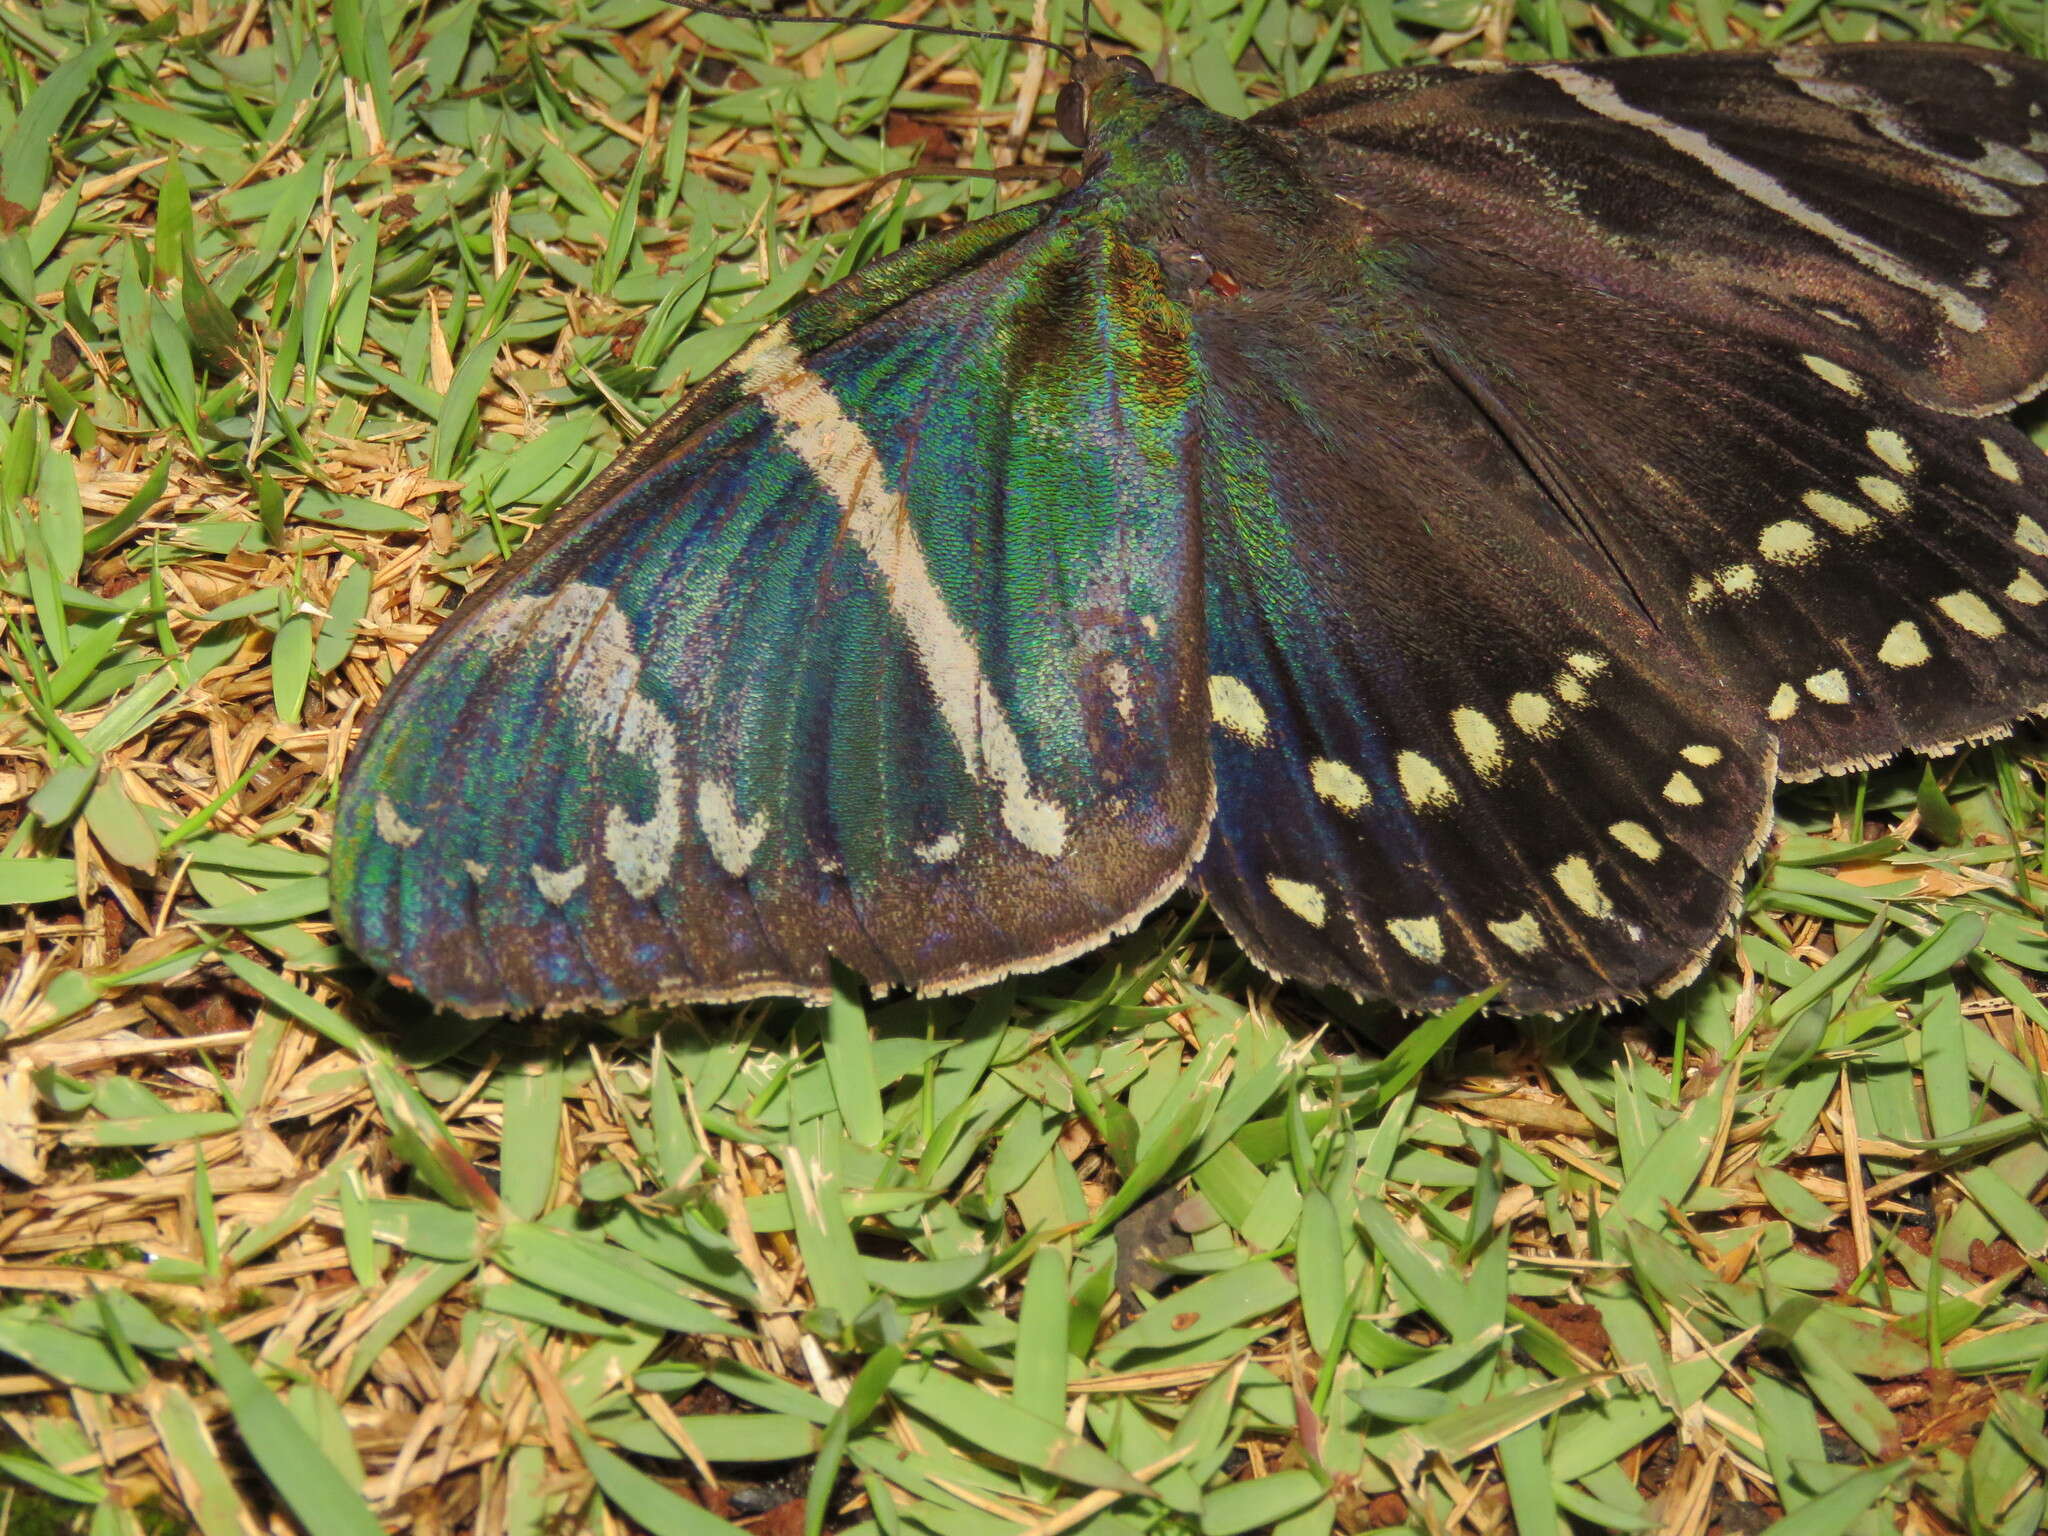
point(780, 691)
point(1433, 513)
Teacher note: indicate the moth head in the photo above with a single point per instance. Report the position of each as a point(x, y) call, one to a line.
point(1093, 72)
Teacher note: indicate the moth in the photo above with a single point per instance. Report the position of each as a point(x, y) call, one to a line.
point(1429, 517)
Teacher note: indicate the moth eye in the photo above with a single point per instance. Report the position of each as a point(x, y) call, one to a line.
point(1070, 114)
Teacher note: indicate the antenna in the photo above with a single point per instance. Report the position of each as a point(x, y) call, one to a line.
point(747, 13)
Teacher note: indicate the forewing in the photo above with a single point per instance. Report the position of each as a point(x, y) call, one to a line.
point(1450, 754)
point(1879, 204)
point(1864, 572)
point(886, 645)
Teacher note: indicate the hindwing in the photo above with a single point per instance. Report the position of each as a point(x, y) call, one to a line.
point(1449, 753)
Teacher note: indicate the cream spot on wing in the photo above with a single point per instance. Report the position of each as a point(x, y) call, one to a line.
point(1422, 937)
point(2029, 536)
point(1972, 613)
point(1834, 373)
point(1889, 494)
point(1737, 580)
point(1904, 646)
point(1340, 784)
point(1581, 887)
point(1679, 789)
point(1238, 710)
point(1305, 901)
point(477, 872)
point(1479, 738)
point(1998, 461)
point(1830, 687)
point(1701, 590)
point(599, 670)
point(942, 849)
point(1842, 516)
point(842, 460)
point(1533, 714)
point(1586, 665)
point(1700, 755)
point(2026, 591)
point(1521, 934)
point(557, 885)
point(1570, 689)
point(1118, 676)
point(1424, 783)
point(1788, 542)
point(392, 827)
point(1895, 452)
point(1784, 703)
point(1637, 839)
point(732, 840)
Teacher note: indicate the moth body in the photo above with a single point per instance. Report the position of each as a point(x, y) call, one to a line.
point(1429, 517)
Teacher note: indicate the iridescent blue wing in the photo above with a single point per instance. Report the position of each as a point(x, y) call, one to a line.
point(885, 645)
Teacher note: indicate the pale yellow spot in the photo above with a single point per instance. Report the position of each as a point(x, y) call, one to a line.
point(1888, 494)
point(1830, 687)
point(1532, 714)
point(1904, 646)
point(1842, 516)
point(1784, 703)
point(1422, 937)
point(1892, 449)
point(1238, 710)
point(1118, 676)
point(2030, 536)
point(1299, 897)
point(1636, 838)
point(1339, 784)
point(1570, 689)
point(733, 838)
point(942, 849)
point(1788, 542)
point(1480, 739)
point(1521, 934)
point(1679, 789)
point(392, 827)
point(1576, 879)
point(1700, 756)
point(2026, 591)
point(1737, 580)
point(1701, 590)
point(1972, 613)
point(1834, 373)
point(1424, 783)
point(1998, 461)
point(1587, 666)
point(557, 885)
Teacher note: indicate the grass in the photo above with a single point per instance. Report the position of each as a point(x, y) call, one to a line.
point(308, 312)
